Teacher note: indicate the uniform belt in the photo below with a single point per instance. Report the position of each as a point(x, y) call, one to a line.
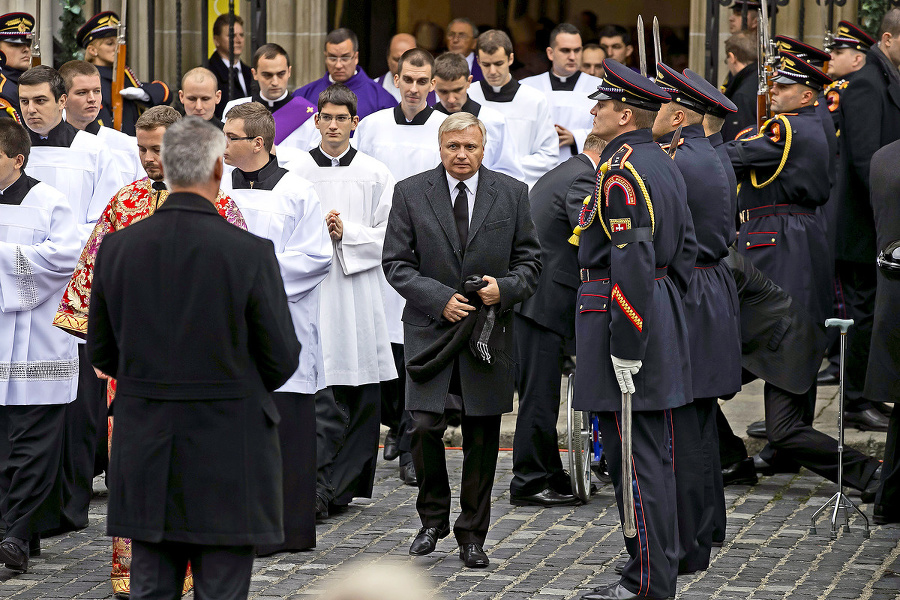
point(601, 274)
point(707, 265)
point(775, 209)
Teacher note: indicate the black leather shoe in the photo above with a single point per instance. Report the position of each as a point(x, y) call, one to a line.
point(827, 377)
point(546, 497)
point(883, 517)
point(884, 408)
point(561, 483)
point(615, 591)
point(321, 508)
point(408, 475)
point(867, 496)
point(391, 449)
point(473, 556)
point(757, 429)
point(14, 555)
point(766, 468)
point(620, 566)
point(869, 419)
point(427, 539)
point(740, 473)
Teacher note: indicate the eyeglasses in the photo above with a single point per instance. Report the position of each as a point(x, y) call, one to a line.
point(339, 59)
point(339, 118)
point(458, 35)
point(240, 139)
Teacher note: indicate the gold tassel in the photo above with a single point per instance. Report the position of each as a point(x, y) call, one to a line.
point(575, 238)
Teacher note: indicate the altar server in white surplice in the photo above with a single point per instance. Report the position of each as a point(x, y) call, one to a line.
point(355, 192)
point(74, 162)
point(526, 110)
point(83, 104)
point(451, 84)
point(77, 164)
point(567, 90)
point(403, 138)
point(284, 208)
point(39, 246)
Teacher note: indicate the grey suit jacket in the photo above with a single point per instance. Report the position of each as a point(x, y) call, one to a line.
point(423, 261)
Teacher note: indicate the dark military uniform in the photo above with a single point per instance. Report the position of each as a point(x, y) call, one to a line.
point(710, 307)
point(636, 253)
point(15, 28)
point(105, 24)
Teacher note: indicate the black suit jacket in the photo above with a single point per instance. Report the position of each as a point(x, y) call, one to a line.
point(870, 111)
point(423, 262)
point(741, 90)
point(215, 64)
point(556, 200)
point(189, 314)
point(883, 374)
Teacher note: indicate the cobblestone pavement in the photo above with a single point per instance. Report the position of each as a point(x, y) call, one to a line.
point(539, 554)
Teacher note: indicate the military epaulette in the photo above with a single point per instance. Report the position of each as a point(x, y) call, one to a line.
point(747, 133)
point(8, 109)
point(775, 128)
point(833, 94)
point(618, 160)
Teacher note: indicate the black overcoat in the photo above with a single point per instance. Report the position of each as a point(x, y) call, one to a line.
point(215, 64)
point(189, 314)
point(423, 262)
point(742, 90)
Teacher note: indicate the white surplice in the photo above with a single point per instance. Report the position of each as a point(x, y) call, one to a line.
point(39, 247)
point(289, 216)
point(570, 109)
point(353, 325)
point(125, 153)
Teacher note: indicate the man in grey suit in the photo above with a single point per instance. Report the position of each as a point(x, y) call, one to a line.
point(432, 246)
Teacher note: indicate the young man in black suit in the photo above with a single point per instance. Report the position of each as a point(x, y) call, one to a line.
point(220, 62)
point(448, 224)
point(196, 339)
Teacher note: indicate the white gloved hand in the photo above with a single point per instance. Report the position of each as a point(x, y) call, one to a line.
point(134, 93)
point(624, 369)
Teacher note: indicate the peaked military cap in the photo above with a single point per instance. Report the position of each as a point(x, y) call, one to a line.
point(793, 69)
point(102, 25)
point(681, 89)
point(16, 28)
point(624, 85)
point(717, 103)
point(810, 54)
point(849, 35)
point(752, 6)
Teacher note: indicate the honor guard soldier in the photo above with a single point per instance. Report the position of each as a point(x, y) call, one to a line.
point(636, 252)
point(848, 55)
point(98, 38)
point(16, 34)
point(710, 308)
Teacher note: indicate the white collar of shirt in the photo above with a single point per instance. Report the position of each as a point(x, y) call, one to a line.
point(470, 58)
point(240, 72)
point(336, 160)
point(562, 79)
point(471, 189)
point(351, 77)
point(590, 159)
point(271, 103)
point(497, 88)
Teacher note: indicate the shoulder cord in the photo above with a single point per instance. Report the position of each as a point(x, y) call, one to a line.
point(788, 137)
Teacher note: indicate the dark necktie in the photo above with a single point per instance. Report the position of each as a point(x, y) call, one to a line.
point(461, 214)
point(237, 80)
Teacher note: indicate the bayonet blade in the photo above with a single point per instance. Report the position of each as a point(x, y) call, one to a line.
point(642, 48)
point(675, 139)
point(657, 45)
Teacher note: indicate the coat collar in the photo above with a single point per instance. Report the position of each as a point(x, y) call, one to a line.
point(264, 179)
point(557, 84)
point(419, 119)
point(506, 93)
point(323, 160)
point(188, 201)
point(60, 136)
point(716, 139)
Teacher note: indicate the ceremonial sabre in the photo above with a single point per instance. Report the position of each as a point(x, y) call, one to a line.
point(118, 82)
point(629, 527)
point(766, 67)
point(36, 44)
point(675, 139)
point(657, 46)
point(642, 50)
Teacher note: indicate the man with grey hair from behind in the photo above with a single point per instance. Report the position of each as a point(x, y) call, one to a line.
point(461, 248)
point(197, 339)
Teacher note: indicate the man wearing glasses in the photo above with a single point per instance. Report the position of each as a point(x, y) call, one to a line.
point(272, 71)
point(342, 62)
point(462, 35)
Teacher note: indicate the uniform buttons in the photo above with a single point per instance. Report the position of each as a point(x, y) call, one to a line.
point(581, 307)
point(773, 240)
point(748, 244)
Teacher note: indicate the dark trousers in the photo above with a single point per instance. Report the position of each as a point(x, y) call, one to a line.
point(712, 523)
point(731, 448)
point(297, 436)
point(30, 485)
point(858, 281)
point(691, 473)
point(888, 495)
point(347, 430)
point(652, 566)
point(220, 572)
point(80, 444)
point(394, 415)
point(481, 443)
point(793, 438)
point(536, 461)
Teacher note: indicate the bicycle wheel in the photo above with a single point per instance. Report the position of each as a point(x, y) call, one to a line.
point(579, 443)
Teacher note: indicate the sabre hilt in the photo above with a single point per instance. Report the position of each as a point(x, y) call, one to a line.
point(844, 324)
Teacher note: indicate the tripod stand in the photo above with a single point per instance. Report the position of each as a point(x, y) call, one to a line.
point(841, 503)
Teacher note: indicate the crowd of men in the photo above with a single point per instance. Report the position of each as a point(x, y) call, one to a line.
point(424, 244)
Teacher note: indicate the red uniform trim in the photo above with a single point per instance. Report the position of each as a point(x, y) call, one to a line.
point(626, 307)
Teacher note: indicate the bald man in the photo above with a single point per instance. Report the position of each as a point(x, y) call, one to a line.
point(400, 43)
point(200, 94)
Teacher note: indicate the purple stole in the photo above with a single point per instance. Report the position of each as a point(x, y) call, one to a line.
point(291, 116)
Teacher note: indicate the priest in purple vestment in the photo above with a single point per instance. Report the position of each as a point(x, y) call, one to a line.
point(342, 62)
